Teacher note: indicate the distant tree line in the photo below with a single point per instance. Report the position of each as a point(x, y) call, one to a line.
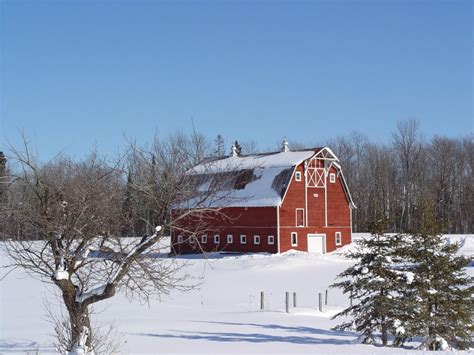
point(395, 178)
point(390, 179)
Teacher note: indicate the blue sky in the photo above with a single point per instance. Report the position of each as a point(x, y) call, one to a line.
point(78, 73)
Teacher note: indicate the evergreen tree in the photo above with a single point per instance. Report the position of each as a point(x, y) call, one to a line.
point(406, 308)
point(372, 283)
point(442, 290)
point(219, 146)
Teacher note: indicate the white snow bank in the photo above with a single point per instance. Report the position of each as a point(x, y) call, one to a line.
point(222, 316)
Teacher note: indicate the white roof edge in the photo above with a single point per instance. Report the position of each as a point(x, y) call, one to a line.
point(287, 188)
point(329, 150)
point(346, 188)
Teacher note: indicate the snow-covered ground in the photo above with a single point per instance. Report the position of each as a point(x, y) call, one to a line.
point(222, 316)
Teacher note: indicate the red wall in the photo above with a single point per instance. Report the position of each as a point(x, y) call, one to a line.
point(249, 221)
point(338, 206)
point(338, 213)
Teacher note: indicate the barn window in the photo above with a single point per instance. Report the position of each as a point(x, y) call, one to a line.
point(243, 178)
point(332, 178)
point(180, 238)
point(192, 239)
point(294, 239)
point(300, 217)
point(298, 176)
point(204, 239)
point(338, 238)
point(216, 239)
point(243, 239)
point(256, 239)
point(271, 239)
point(229, 239)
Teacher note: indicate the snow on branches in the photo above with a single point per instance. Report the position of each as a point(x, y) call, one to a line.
point(409, 285)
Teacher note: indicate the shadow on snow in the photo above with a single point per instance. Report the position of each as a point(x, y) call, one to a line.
point(308, 335)
point(23, 346)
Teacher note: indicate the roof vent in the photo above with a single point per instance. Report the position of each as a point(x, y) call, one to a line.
point(285, 147)
point(234, 151)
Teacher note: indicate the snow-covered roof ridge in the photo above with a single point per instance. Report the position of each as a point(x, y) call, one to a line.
point(251, 161)
point(252, 180)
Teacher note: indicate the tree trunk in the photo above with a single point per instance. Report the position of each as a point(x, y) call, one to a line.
point(384, 335)
point(80, 326)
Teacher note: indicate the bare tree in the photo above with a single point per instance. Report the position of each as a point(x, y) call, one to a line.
point(4, 179)
point(352, 152)
point(465, 189)
point(249, 147)
point(395, 179)
point(219, 146)
point(408, 145)
point(66, 220)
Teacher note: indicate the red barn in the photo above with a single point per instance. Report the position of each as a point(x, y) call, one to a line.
point(271, 202)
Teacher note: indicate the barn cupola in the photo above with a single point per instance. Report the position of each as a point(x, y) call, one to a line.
point(236, 149)
point(234, 152)
point(285, 147)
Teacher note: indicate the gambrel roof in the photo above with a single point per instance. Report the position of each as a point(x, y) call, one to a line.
point(254, 180)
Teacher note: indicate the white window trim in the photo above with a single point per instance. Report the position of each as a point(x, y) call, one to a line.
point(216, 239)
point(296, 217)
point(298, 176)
point(192, 239)
point(230, 238)
point(243, 239)
point(180, 238)
point(273, 240)
point(332, 178)
point(204, 239)
point(255, 237)
point(340, 238)
point(294, 244)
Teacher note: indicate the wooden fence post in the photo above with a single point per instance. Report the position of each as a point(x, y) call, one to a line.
point(320, 302)
point(294, 299)
point(262, 301)
point(326, 298)
point(287, 302)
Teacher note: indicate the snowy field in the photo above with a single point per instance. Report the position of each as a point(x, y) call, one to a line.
point(222, 316)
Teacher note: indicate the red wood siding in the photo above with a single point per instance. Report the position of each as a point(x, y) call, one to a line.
point(285, 237)
point(338, 206)
point(338, 213)
point(249, 221)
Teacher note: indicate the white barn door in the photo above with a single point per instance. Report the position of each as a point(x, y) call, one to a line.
point(317, 243)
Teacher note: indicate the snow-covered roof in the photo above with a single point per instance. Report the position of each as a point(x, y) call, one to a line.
point(264, 160)
point(254, 180)
point(245, 181)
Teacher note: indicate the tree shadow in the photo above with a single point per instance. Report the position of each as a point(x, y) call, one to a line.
point(307, 335)
point(296, 329)
point(23, 346)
